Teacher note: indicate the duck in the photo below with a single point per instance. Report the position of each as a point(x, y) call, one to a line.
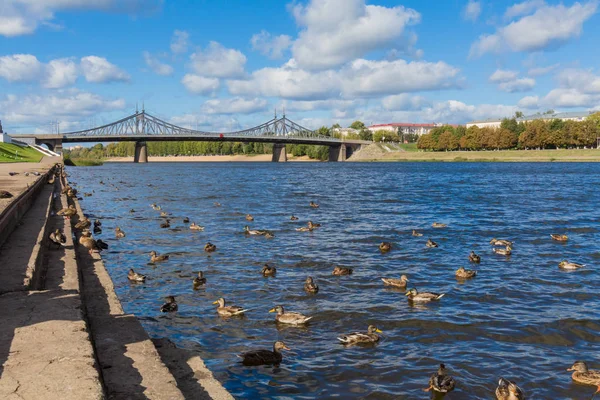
point(217, 204)
point(196, 227)
point(170, 305)
point(67, 212)
point(249, 217)
point(430, 243)
point(384, 247)
point(463, 273)
point(417, 234)
point(294, 218)
point(119, 233)
point(83, 224)
point(312, 225)
point(97, 223)
point(361, 338)
point(474, 258)
point(304, 229)
point(155, 207)
point(249, 231)
point(401, 283)
point(264, 357)
point(508, 390)
point(154, 257)
point(441, 382)
point(186, 220)
point(135, 277)
point(569, 266)
point(313, 204)
point(559, 238)
point(503, 252)
point(166, 224)
point(269, 235)
point(268, 270)
point(57, 237)
point(342, 271)
point(423, 297)
point(209, 247)
point(101, 245)
point(163, 214)
point(438, 225)
point(199, 281)
point(291, 318)
point(89, 243)
point(228, 311)
point(310, 286)
point(501, 242)
point(584, 375)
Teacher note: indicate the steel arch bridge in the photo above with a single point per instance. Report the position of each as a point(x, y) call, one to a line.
point(142, 127)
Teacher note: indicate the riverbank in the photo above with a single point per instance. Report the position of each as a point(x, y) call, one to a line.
point(234, 158)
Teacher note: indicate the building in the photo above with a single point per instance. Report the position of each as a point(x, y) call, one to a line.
point(4, 138)
point(403, 128)
point(567, 116)
point(346, 131)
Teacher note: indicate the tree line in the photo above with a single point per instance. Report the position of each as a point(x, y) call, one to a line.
point(536, 134)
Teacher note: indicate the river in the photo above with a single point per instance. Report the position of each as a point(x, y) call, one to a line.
point(521, 317)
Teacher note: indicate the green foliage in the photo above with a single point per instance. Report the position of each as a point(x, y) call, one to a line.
point(10, 152)
point(518, 114)
point(385, 136)
point(358, 125)
point(365, 134)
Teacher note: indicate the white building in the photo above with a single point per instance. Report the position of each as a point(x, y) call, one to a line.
point(346, 131)
point(568, 116)
point(403, 128)
point(4, 138)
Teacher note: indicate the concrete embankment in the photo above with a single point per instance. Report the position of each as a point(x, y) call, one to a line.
point(64, 333)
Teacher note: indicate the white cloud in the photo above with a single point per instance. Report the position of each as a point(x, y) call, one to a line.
point(60, 73)
point(529, 102)
point(234, 105)
point(539, 71)
point(207, 123)
point(404, 102)
point(509, 81)
point(563, 97)
point(272, 46)
point(580, 79)
point(337, 31)
point(179, 42)
point(502, 75)
point(472, 10)
point(218, 62)
point(524, 8)
point(20, 68)
point(99, 70)
point(22, 17)
point(155, 65)
point(311, 105)
point(199, 84)
point(549, 26)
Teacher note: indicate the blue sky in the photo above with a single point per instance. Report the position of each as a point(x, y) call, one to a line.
point(226, 65)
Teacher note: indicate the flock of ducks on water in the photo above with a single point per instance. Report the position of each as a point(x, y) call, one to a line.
point(441, 382)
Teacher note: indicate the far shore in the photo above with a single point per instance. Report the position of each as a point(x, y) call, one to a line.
point(235, 158)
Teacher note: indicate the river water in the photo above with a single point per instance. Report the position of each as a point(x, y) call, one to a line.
point(521, 318)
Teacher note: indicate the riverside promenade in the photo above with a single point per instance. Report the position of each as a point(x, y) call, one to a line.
point(64, 334)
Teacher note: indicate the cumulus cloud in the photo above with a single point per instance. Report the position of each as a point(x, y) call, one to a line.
point(199, 84)
point(218, 62)
point(529, 102)
point(234, 105)
point(60, 73)
point(539, 71)
point(155, 65)
point(20, 68)
point(269, 45)
point(509, 81)
point(100, 70)
point(179, 42)
point(548, 26)
point(502, 75)
point(582, 80)
point(405, 102)
point(524, 8)
point(310, 105)
point(22, 17)
point(472, 10)
point(564, 97)
point(334, 32)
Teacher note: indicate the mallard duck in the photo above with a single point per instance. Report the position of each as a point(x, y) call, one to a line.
point(101, 245)
point(342, 271)
point(186, 220)
point(430, 243)
point(119, 233)
point(313, 204)
point(209, 247)
point(384, 247)
point(135, 277)
point(401, 283)
point(97, 223)
point(170, 305)
point(249, 217)
point(503, 252)
point(155, 207)
point(249, 231)
point(440, 381)
point(228, 311)
point(89, 243)
point(474, 258)
point(361, 338)
point(268, 270)
point(438, 225)
point(569, 266)
point(67, 212)
point(291, 318)
point(57, 237)
point(195, 227)
point(5, 194)
point(508, 390)
point(584, 375)
point(269, 235)
point(304, 229)
point(166, 224)
point(199, 281)
point(465, 273)
point(415, 233)
point(217, 204)
point(264, 357)
point(415, 296)
point(131, 211)
point(559, 238)
point(312, 225)
point(83, 224)
point(500, 242)
point(163, 214)
point(310, 286)
point(154, 257)
point(294, 218)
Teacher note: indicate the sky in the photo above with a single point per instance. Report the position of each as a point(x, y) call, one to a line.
point(228, 65)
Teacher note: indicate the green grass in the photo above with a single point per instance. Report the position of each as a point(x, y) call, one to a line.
point(408, 146)
point(10, 153)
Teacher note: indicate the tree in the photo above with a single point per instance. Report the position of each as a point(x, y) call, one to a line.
point(358, 125)
point(324, 131)
point(365, 134)
point(518, 114)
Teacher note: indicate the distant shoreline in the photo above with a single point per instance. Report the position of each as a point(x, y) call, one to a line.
point(234, 158)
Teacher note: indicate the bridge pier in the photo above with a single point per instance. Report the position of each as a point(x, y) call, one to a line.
point(279, 153)
point(141, 153)
point(337, 153)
